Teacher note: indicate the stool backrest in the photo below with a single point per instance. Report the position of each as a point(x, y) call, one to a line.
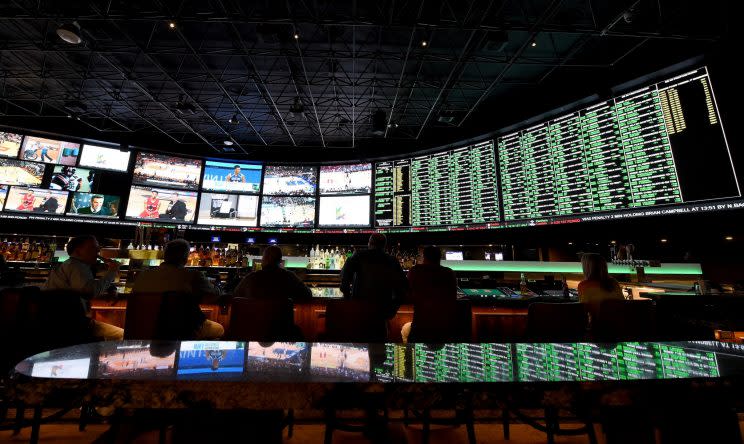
point(355, 321)
point(168, 316)
point(556, 322)
point(621, 320)
point(440, 321)
point(261, 320)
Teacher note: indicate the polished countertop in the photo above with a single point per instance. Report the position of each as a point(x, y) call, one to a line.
point(304, 362)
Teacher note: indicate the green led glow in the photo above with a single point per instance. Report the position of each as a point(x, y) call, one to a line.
point(566, 267)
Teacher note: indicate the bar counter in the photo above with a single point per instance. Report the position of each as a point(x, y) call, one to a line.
point(225, 375)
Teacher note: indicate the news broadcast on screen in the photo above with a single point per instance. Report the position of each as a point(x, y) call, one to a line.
point(231, 176)
point(36, 200)
point(94, 205)
point(161, 204)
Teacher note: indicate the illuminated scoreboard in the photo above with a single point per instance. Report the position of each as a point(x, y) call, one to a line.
point(658, 145)
point(454, 187)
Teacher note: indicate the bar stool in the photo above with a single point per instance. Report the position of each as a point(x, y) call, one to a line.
point(162, 316)
point(264, 320)
point(621, 320)
point(555, 322)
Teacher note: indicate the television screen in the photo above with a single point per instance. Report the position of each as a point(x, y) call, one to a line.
point(344, 211)
point(228, 209)
point(161, 204)
point(346, 179)
point(18, 172)
point(290, 180)
point(132, 360)
point(231, 176)
point(345, 361)
point(66, 369)
point(287, 211)
point(36, 200)
point(167, 171)
point(49, 151)
point(277, 359)
point(70, 178)
point(453, 255)
point(104, 158)
point(3, 195)
point(10, 144)
point(94, 205)
point(207, 358)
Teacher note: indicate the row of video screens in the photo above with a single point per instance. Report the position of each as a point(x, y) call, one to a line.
point(178, 206)
point(159, 170)
point(213, 359)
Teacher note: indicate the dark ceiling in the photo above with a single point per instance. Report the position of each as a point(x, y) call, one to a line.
point(232, 60)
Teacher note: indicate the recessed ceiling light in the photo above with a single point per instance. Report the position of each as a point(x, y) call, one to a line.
point(70, 33)
point(533, 43)
point(172, 25)
point(424, 43)
point(729, 237)
point(663, 241)
point(296, 36)
point(228, 142)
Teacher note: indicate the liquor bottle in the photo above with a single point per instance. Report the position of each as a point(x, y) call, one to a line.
point(523, 290)
point(566, 293)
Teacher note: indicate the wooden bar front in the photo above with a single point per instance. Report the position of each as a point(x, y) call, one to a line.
point(489, 323)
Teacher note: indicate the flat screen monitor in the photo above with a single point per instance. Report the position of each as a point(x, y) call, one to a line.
point(268, 361)
point(207, 358)
point(161, 204)
point(94, 205)
point(231, 177)
point(105, 158)
point(36, 200)
point(3, 195)
point(49, 151)
point(290, 180)
point(339, 361)
point(10, 144)
point(346, 179)
point(132, 360)
point(167, 171)
point(228, 209)
point(18, 172)
point(453, 255)
point(287, 211)
point(344, 211)
point(63, 369)
point(70, 178)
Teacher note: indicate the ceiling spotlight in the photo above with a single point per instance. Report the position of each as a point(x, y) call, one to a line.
point(663, 241)
point(296, 36)
point(233, 120)
point(297, 107)
point(70, 32)
point(424, 43)
point(228, 142)
point(533, 43)
point(171, 25)
point(729, 238)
